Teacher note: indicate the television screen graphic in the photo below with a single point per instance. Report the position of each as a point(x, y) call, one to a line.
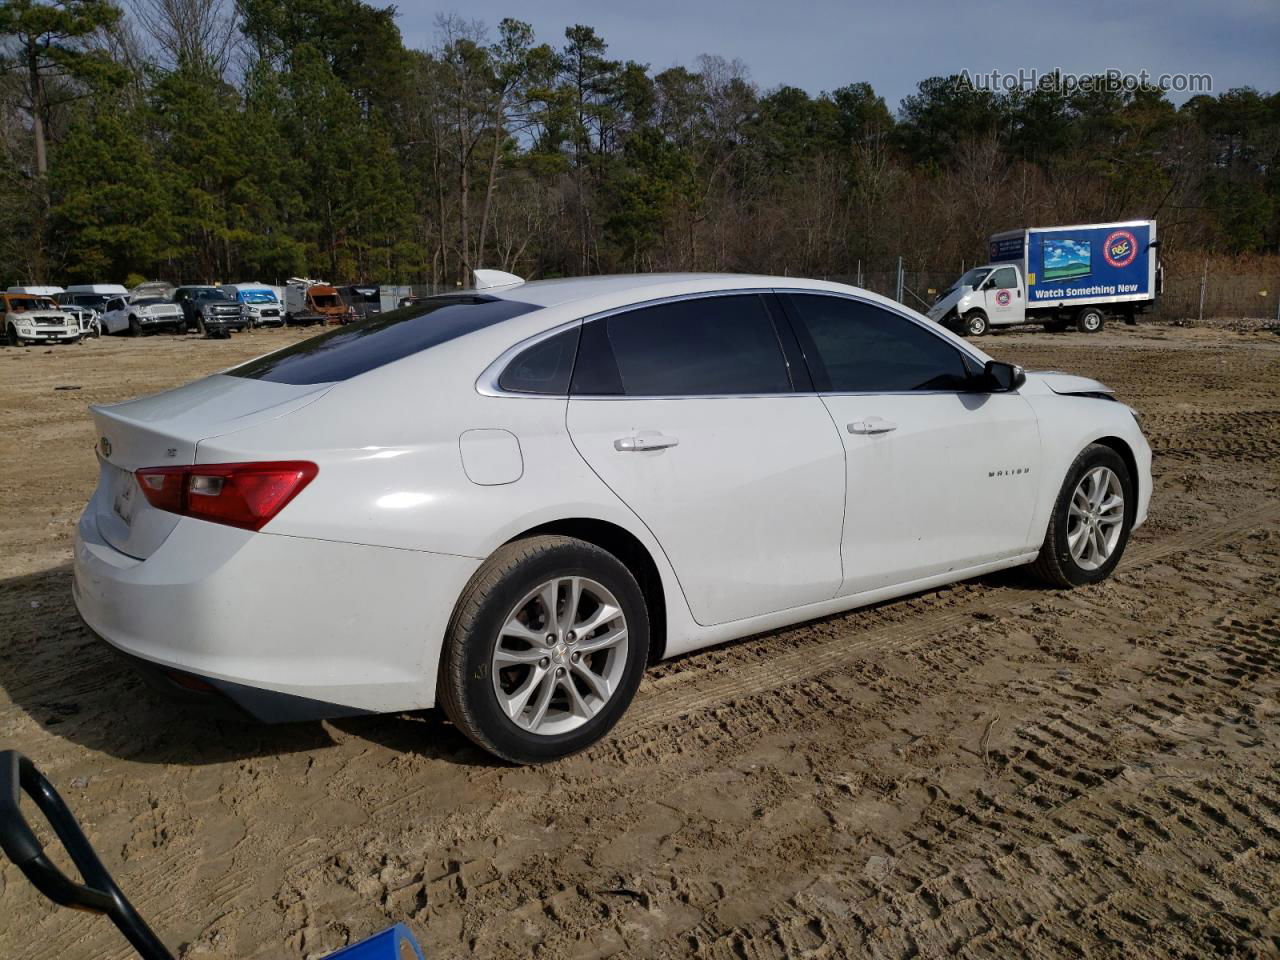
point(1065, 259)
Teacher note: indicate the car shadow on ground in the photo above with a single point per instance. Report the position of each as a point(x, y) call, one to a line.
point(76, 687)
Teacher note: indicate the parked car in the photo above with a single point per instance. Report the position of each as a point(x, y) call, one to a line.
point(508, 502)
point(260, 306)
point(142, 315)
point(31, 319)
point(86, 320)
point(209, 310)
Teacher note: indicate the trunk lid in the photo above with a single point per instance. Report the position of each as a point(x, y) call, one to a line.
point(164, 430)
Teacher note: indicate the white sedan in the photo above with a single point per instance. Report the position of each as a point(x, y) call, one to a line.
point(508, 502)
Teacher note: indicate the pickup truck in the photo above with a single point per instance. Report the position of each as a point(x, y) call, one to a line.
point(210, 310)
point(138, 315)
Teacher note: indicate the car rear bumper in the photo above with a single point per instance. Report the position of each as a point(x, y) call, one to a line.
point(288, 628)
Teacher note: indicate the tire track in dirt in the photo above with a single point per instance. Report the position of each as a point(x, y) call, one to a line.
point(1125, 827)
point(812, 660)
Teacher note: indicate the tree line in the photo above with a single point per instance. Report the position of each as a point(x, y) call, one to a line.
point(191, 140)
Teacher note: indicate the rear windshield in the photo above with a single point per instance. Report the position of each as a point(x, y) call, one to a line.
point(356, 348)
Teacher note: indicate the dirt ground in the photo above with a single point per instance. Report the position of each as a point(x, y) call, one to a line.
point(989, 769)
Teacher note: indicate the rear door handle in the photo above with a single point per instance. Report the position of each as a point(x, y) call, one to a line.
point(644, 441)
point(872, 425)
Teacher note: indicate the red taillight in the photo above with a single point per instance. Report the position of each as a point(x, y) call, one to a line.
point(244, 495)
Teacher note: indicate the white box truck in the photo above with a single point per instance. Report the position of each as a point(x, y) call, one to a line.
point(1057, 276)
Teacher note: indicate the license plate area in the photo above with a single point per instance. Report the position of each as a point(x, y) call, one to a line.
point(124, 493)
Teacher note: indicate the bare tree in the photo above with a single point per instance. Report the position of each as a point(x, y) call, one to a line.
point(200, 33)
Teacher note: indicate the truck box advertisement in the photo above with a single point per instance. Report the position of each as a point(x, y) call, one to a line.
point(1099, 263)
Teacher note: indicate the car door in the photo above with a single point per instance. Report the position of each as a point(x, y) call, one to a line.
point(940, 476)
point(1003, 295)
point(113, 316)
point(182, 297)
point(686, 410)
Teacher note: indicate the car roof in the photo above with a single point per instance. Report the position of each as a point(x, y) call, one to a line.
point(550, 293)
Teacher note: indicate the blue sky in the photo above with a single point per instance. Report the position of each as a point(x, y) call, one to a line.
point(824, 44)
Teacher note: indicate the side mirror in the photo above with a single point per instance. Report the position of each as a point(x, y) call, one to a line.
point(1002, 377)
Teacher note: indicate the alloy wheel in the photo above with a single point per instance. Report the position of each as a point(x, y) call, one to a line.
point(560, 656)
point(1095, 518)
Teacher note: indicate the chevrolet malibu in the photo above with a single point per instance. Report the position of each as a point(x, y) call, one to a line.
point(508, 502)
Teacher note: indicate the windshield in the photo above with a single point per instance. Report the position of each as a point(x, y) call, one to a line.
point(211, 293)
point(972, 278)
point(93, 300)
point(326, 300)
point(149, 301)
point(23, 304)
point(364, 294)
point(257, 296)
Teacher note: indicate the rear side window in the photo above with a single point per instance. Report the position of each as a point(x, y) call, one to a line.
point(543, 368)
point(857, 347)
point(699, 347)
point(356, 348)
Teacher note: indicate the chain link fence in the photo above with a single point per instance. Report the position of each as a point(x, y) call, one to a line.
point(1249, 294)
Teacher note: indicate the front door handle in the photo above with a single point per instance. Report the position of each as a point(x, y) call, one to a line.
point(644, 441)
point(872, 425)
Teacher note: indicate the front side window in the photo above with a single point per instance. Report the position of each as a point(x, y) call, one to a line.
point(857, 347)
point(705, 346)
point(1006, 278)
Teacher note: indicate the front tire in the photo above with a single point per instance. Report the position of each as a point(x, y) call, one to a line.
point(135, 327)
point(1091, 522)
point(975, 324)
point(529, 683)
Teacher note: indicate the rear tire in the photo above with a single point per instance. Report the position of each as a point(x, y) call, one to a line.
point(1090, 320)
point(1058, 565)
point(975, 324)
point(503, 602)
